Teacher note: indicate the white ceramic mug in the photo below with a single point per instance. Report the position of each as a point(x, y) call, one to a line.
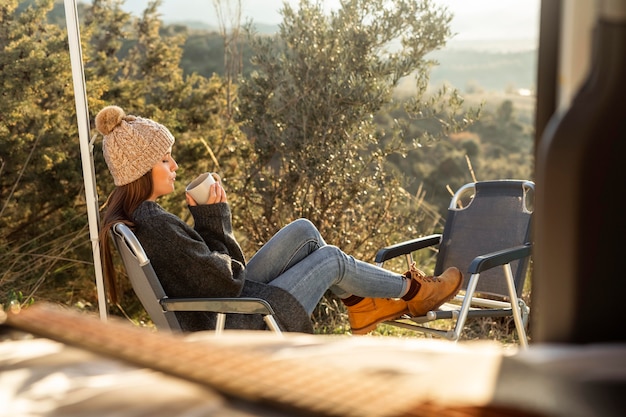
point(199, 188)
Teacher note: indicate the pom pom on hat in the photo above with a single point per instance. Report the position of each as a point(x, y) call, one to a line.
point(132, 145)
point(108, 119)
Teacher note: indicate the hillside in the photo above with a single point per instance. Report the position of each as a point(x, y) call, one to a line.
point(472, 66)
point(490, 70)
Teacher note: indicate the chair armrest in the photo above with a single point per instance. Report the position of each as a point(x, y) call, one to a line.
point(408, 246)
point(218, 305)
point(501, 257)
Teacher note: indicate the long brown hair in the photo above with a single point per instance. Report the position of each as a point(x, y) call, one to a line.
point(119, 207)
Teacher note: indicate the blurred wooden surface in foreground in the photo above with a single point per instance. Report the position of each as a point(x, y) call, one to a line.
point(58, 362)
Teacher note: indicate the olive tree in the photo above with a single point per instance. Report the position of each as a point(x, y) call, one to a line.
point(45, 251)
point(309, 111)
point(40, 176)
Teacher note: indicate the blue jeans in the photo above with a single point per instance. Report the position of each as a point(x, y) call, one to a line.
point(298, 260)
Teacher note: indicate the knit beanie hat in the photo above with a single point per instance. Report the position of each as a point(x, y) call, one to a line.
point(132, 145)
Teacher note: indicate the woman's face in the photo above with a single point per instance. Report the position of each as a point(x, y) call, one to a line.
point(163, 176)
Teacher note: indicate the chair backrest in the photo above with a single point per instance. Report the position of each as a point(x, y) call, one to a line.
point(497, 216)
point(143, 278)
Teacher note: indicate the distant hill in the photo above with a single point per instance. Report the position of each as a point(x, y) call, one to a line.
point(261, 28)
point(473, 66)
point(491, 70)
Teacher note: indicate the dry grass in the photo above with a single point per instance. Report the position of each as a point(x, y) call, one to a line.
point(331, 318)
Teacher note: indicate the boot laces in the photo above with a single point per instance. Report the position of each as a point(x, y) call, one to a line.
point(421, 275)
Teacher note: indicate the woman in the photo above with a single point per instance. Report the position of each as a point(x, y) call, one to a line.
point(292, 271)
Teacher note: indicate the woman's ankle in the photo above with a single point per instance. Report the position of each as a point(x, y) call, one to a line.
point(351, 300)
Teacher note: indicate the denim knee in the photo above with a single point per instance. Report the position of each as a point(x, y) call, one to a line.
point(304, 227)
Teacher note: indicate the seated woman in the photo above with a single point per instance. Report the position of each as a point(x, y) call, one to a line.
point(292, 271)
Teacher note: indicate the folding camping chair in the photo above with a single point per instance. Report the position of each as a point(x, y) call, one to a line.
point(160, 307)
point(487, 236)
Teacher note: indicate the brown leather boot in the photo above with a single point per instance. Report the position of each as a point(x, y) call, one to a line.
point(365, 315)
point(434, 291)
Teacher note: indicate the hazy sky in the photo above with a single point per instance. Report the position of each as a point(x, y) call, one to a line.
point(473, 19)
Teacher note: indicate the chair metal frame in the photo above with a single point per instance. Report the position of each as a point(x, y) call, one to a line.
point(160, 307)
point(470, 303)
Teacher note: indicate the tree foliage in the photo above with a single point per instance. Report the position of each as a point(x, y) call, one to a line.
point(309, 111)
point(41, 190)
point(495, 146)
point(44, 242)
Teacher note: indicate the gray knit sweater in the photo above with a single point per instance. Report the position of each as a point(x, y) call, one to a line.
point(207, 261)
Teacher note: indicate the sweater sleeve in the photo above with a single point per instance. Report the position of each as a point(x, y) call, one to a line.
point(184, 263)
point(214, 223)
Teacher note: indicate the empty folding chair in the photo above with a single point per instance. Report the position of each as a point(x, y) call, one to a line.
point(487, 235)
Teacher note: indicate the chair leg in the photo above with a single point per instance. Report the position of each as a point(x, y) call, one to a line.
point(517, 313)
point(269, 320)
point(221, 322)
point(271, 323)
point(465, 307)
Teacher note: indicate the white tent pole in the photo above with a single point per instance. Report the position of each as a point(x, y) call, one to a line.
point(86, 146)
